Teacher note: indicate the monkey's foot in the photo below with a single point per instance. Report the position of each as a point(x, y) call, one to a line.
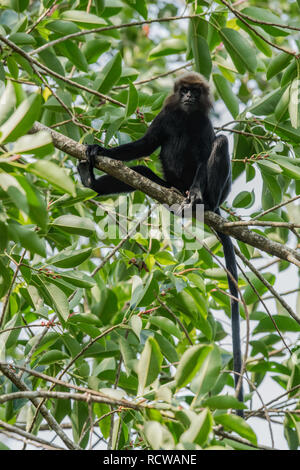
point(193, 198)
point(83, 170)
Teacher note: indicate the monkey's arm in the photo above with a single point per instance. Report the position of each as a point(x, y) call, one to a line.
point(212, 180)
point(133, 150)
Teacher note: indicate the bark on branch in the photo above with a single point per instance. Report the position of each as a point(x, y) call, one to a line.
point(167, 196)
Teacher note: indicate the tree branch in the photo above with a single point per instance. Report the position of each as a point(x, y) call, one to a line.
point(168, 196)
point(8, 372)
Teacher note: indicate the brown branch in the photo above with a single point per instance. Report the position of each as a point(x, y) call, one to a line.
point(266, 23)
point(284, 203)
point(142, 82)
point(110, 28)
point(268, 285)
point(8, 372)
point(34, 62)
point(169, 197)
point(261, 36)
point(28, 436)
point(176, 319)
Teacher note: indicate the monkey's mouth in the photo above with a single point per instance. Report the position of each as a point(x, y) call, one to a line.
point(189, 102)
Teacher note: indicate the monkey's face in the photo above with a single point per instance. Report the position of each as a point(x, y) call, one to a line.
point(191, 97)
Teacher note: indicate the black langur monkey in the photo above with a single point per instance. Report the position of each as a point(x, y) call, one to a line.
point(194, 160)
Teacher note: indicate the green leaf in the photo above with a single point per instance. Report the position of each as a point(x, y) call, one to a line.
point(249, 295)
point(224, 402)
point(290, 170)
point(283, 323)
point(294, 104)
point(158, 436)
point(51, 357)
point(12, 67)
point(244, 199)
point(289, 74)
point(94, 48)
point(254, 32)
point(277, 64)
point(21, 120)
point(166, 347)
point(267, 104)
point(165, 324)
point(54, 174)
point(190, 363)
point(112, 7)
point(200, 428)
point(132, 101)
point(22, 39)
point(168, 47)
point(269, 17)
point(284, 130)
point(78, 279)
point(75, 224)
point(7, 102)
point(137, 291)
point(136, 324)
point(39, 144)
point(15, 191)
point(238, 425)
point(201, 54)
point(165, 258)
point(127, 355)
point(37, 204)
point(87, 20)
point(75, 55)
point(9, 338)
point(110, 74)
point(51, 61)
point(62, 27)
point(282, 106)
point(59, 301)
point(27, 238)
point(69, 258)
point(208, 374)
point(224, 89)
point(149, 364)
point(141, 7)
point(241, 52)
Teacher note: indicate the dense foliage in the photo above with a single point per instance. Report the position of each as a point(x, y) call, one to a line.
point(141, 320)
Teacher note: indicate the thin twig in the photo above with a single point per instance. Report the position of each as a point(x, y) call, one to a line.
point(268, 285)
point(176, 319)
point(284, 203)
point(110, 28)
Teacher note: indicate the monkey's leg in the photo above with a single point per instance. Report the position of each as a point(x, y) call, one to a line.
point(107, 184)
point(218, 174)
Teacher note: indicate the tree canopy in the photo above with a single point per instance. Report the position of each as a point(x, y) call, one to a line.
point(115, 315)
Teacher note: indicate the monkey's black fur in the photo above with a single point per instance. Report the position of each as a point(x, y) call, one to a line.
point(194, 160)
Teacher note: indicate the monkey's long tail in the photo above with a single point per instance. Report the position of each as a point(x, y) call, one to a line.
point(230, 263)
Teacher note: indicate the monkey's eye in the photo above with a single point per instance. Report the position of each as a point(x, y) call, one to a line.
point(184, 90)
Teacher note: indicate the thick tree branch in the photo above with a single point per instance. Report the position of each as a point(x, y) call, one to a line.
point(169, 197)
point(8, 372)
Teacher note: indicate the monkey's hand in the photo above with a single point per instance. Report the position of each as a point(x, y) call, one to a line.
point(91, 153)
